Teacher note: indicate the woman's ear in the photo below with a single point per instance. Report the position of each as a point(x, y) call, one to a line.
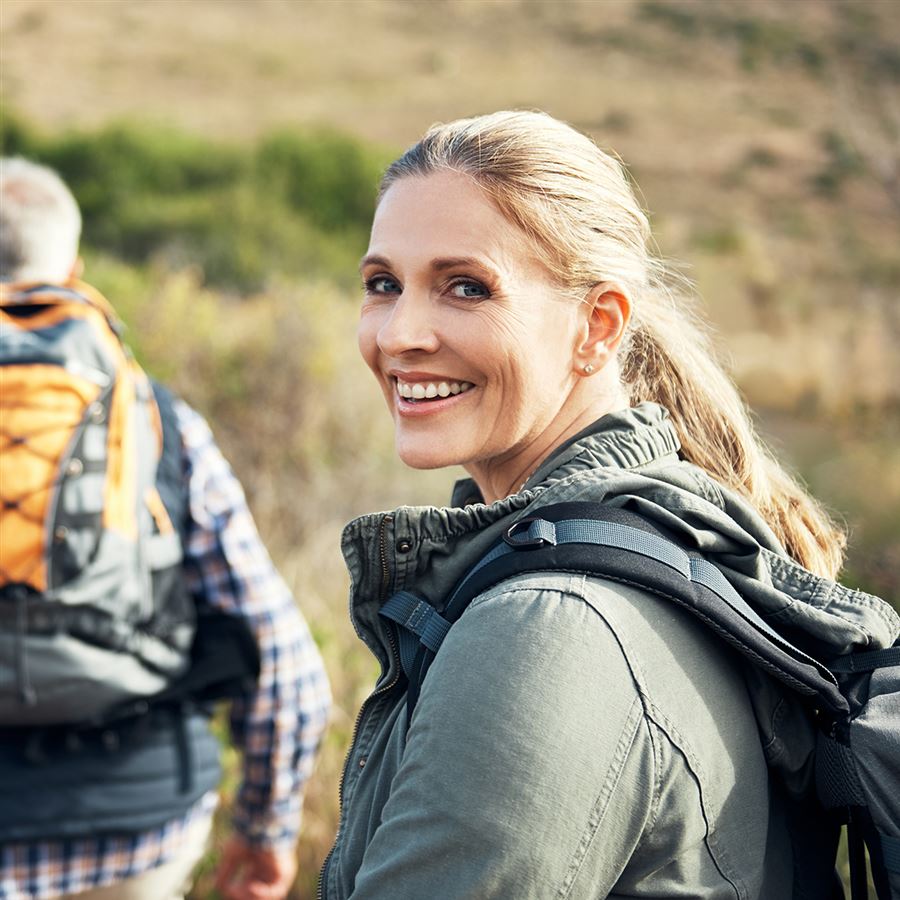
point(605, 313)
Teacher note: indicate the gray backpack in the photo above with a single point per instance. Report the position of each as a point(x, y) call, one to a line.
point(858, 766)
point(853, 699)
point(94, 615)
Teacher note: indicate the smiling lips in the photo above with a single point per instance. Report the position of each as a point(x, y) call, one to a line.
point(431, 390)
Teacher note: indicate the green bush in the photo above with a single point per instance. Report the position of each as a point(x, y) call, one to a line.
point(298, 204)
point(328, 177)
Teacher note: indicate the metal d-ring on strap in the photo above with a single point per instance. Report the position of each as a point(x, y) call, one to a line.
point(541, 532)
point(608, 534)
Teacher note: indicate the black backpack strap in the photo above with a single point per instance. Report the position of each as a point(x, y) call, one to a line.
point(225, 661)
point(616, 545)
point(866, 661)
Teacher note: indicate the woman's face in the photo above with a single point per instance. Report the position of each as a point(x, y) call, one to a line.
point(469, 337)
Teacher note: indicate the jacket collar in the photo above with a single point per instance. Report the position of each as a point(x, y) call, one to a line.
point(627, 458)
point(630, 439)
point(428, 549)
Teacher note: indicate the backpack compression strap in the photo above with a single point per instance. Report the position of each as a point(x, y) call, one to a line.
point(616, 545)
point(170, 479)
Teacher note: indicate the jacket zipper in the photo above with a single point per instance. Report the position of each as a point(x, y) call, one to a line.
point(395, 658)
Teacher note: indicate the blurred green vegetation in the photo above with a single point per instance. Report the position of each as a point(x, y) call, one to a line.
point(234, 267)
point(297, 203)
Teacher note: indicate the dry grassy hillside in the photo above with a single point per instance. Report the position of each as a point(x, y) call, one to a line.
point(765, 136)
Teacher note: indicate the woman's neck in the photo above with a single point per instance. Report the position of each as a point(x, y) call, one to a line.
point(501, 476)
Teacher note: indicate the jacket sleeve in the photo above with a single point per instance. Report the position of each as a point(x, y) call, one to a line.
point(528, 753)
point(278, 727)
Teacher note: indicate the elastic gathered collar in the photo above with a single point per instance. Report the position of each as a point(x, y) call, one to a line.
point(628, 439)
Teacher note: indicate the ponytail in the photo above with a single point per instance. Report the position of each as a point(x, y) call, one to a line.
point(669, 359)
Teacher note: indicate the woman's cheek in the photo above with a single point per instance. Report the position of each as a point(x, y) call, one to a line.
point(367, 338)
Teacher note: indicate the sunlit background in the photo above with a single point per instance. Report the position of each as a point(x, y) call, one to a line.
point(225, 154)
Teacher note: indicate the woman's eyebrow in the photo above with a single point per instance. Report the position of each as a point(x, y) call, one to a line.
point(453, 262)
point(374, 260)
point(439, 264)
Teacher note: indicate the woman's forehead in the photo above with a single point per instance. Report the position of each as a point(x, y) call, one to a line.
point(443, 215)
point(447, 195)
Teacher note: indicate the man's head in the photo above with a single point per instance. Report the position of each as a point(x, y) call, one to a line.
point(40, 223)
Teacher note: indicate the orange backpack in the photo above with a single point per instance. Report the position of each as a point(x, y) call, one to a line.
point(90, 615)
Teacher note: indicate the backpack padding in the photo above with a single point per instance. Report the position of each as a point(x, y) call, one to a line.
point(47, 309)
point(35, 447)
point(60, 359)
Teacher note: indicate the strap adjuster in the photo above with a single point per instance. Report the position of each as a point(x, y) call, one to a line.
point(530, 532)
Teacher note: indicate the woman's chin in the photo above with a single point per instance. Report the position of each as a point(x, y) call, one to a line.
point(419, 457)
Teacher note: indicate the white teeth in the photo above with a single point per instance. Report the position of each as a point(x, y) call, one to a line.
point(430, 389)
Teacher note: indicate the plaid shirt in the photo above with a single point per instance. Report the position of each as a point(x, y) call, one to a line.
point(277, 728)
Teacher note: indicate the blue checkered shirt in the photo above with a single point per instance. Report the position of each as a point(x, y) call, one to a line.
point(277, 728)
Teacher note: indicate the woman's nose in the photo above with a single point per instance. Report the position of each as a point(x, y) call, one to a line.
point(409, 326)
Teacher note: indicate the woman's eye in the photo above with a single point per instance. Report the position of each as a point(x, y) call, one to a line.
point(469, 290)
point(383, 284)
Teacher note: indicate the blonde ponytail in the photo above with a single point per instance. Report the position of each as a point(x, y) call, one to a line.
point(576, 203)
point(669, 359)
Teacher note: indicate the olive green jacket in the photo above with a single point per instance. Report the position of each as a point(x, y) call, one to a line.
point(575, 737)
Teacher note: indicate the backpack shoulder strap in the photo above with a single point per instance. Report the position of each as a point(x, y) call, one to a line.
point(616, 545)
point(225, 657)
point(170, 475)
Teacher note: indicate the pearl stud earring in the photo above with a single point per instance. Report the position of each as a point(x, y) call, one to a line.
point(587, 369)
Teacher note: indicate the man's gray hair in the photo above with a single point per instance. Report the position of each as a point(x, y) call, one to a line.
point(40, 223)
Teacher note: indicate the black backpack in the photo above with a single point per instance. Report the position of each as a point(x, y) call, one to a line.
point(855, 698)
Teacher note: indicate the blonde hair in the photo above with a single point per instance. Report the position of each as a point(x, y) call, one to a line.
point(40, 223)
point(577, 205)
